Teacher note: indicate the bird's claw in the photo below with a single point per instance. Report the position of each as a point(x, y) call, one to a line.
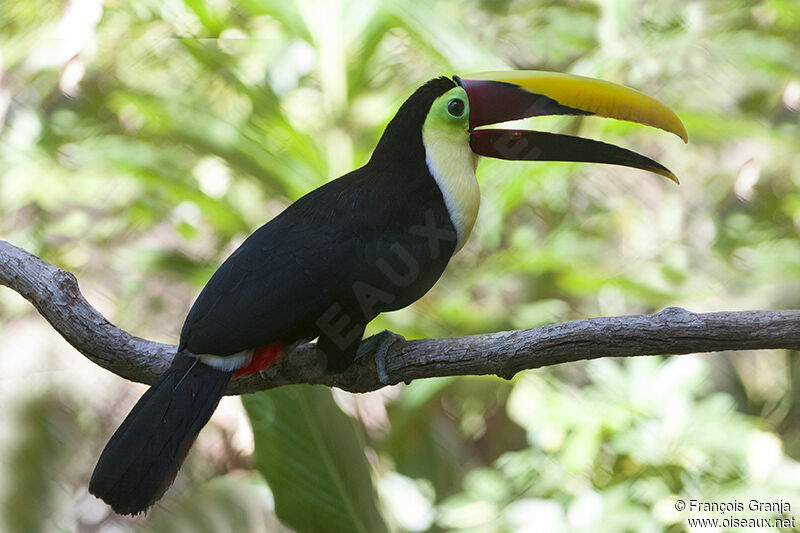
point(379, 344)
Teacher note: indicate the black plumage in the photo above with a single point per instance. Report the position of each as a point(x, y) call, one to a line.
point(143, 456)
point(374, 240)
point(329, 247)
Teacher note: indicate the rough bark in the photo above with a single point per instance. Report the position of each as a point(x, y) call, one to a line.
point(55, 293)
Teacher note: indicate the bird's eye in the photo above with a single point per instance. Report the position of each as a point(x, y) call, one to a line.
point(456, 107)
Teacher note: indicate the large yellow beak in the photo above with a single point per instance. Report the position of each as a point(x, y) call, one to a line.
point(501, 96)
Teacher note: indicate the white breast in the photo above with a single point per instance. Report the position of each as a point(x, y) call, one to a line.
point(452, 165)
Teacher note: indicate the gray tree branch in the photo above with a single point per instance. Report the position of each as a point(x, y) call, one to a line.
point(55, 293)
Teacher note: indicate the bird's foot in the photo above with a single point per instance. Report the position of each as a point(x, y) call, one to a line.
point(379, 344)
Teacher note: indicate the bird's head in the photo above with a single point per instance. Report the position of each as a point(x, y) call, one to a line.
point(456, 112)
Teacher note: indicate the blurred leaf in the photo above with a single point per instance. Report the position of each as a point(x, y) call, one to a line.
point(228, 504)
point(285, 12)
point(442, 36)
point(45, 441)
point(312, 456)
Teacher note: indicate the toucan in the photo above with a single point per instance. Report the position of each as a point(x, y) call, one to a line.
point(373, 240)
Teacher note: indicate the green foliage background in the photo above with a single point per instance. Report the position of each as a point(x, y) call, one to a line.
point(142, 141)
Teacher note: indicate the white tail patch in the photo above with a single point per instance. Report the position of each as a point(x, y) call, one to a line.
point(228, 362)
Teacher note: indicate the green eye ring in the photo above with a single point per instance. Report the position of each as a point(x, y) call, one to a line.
point(456, 107)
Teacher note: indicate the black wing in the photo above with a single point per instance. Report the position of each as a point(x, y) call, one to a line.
point(337, 247)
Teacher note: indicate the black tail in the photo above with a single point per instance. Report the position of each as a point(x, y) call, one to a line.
point(141, 460)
